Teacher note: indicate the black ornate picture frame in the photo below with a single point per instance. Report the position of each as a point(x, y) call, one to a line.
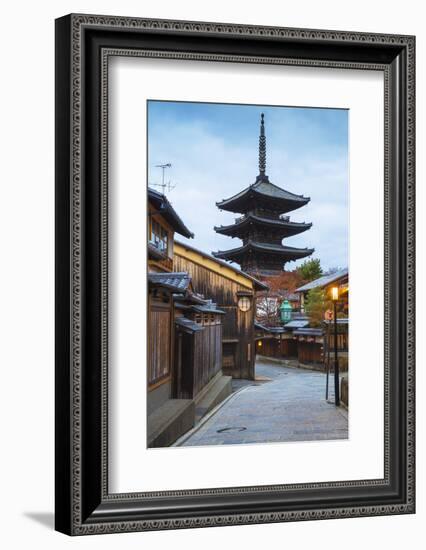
point(84, 44)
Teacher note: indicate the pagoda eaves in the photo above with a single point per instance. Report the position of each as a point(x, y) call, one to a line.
point(263, 194)
point(281, 227)
point(285, 253)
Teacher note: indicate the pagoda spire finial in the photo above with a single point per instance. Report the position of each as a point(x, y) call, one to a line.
point(262, 147)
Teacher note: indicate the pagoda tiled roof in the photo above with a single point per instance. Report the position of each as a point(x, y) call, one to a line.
point(293, 228)
point(264, 188)
point(278, 249)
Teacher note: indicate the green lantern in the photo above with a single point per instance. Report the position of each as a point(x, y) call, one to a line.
point(285, 311)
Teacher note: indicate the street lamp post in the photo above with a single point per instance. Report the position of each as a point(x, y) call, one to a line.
point(335, 297)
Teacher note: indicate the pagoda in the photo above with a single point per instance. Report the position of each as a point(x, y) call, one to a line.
point(263, 224)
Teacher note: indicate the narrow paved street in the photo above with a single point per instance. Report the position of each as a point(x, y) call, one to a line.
point(283, 404)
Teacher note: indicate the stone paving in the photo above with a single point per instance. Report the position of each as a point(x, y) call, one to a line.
point(289, 407)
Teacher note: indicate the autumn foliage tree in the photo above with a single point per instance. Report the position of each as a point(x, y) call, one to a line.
point(286, 281)
point(268, 302)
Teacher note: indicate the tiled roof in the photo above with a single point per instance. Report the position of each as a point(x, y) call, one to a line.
point(286, 226)
point(188, 325)
point(288, 251)
point(177, 282)
point(309, 332)
point(208, 307)
point(273, 330)
point(297, 323)
point(324, 280)
point(264, 187)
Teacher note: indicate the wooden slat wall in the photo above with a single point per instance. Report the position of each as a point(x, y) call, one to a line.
point(207, 354)
point(158, 344)
point(273, 347)
point(310, 352)
point(212, 285)
point(237, 326)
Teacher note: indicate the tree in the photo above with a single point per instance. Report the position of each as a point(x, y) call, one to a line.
point(269, 301)
point(310, 270)
point(267, 311)
point(285, 282)
point(315, 305)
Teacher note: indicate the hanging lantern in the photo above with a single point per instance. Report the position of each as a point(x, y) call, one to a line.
point(285, 311)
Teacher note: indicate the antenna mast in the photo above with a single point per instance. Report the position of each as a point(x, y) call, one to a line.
point(163, 184)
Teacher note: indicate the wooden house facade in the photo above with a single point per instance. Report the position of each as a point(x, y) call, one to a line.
point(234, 293)
point(184, 358)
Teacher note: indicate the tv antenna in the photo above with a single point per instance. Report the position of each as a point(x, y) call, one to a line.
point(163, 184)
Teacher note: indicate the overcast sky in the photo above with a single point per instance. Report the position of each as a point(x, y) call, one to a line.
point(213, 149)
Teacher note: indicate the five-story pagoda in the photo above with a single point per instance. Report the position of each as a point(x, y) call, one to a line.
point(263, 224)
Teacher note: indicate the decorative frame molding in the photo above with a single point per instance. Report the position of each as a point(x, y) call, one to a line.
point(84, 44)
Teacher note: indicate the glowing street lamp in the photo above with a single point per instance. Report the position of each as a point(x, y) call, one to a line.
point(335, 298)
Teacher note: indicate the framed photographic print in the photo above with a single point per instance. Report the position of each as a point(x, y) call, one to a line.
point(234, 274)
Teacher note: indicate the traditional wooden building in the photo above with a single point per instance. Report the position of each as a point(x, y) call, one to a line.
point(234, 292)
point(338, 279)
point(315, 343)
point(184, 367)
point(163, 223)
point(310, 346)
point(296, 341)
point(263, 224)
point(274, 342)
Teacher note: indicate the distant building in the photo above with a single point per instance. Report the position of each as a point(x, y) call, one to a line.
point(339, 278)
point(275, 342)
point(184, 370)
point(294, 339)
point(315, 344)
point(234, 292)
point(263, 226)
